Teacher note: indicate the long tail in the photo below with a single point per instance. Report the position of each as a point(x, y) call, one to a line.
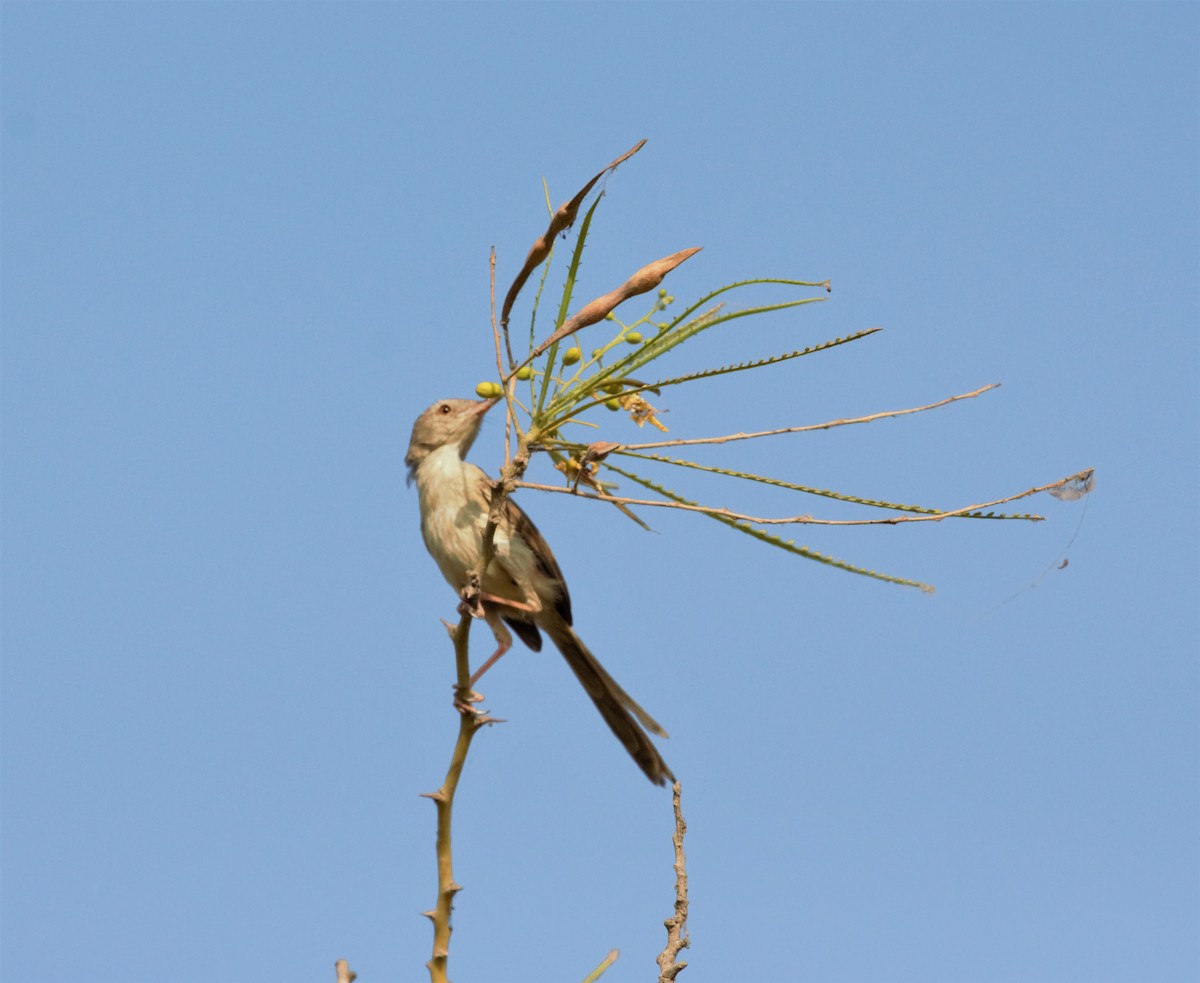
point(617, 707)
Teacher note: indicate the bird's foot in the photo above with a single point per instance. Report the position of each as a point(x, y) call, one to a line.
point(471, 599)
point(466, 700)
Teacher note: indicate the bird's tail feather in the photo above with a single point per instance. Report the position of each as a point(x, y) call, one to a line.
point(617, 707)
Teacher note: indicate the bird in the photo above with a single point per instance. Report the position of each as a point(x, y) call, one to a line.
point(523, 586)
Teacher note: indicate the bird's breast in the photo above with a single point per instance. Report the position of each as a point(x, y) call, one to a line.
point(454, 514)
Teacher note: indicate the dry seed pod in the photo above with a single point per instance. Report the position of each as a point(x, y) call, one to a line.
point(564, 218)
point(647, 278)
point(599, 450)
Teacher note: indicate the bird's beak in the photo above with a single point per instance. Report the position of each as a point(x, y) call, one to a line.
point(485, 404)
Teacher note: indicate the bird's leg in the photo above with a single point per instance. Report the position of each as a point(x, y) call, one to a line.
point(503, 643)
point(487, 604)
point(531, 604)
point(465, 698)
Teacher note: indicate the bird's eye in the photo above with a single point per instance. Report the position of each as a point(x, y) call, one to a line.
point(444, 408)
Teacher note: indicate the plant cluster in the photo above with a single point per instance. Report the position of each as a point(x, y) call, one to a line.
point(555, 391)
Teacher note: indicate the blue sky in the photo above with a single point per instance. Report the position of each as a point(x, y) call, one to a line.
point(244, 245)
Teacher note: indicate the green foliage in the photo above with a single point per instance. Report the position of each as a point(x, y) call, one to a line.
point(742, 525)
point(563, 385)
point(822, 492)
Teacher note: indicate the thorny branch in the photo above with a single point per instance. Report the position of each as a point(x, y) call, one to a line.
point(677, 937)
point(443, 799)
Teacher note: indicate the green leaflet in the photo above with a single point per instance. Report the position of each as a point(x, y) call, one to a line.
point(568, 289)
point(679, 331)
point(824, 493)
point(774, 540)
point(673, 336)
point(740, 366)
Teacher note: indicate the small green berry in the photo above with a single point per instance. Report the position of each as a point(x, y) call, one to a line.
point(634, 338)
point(662, 291)
point(610, 316)
point(612, 404)
point(663, 325)
point(525, 372)
point(571, 356)
point(488, 390)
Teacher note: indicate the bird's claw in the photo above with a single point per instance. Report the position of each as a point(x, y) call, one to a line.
point(474, 610)
point(467, 700)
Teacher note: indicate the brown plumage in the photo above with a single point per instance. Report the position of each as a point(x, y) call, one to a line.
point(523, 586)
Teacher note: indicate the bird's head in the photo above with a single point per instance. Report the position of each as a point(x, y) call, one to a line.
point(447, 423)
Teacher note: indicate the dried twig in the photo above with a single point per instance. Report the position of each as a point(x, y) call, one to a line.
point(676, 925)
point(808, 519)
point(492, 296)
point(828, 425)
point(511, 417)
point(443, 799)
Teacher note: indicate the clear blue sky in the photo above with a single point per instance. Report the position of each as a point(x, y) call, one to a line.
point(245, 244)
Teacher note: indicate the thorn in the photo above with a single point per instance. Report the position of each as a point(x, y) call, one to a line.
point(431, 915)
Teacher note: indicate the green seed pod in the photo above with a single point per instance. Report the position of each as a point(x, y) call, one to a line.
point(634, 338)
point(571, 356)
point(525, 372)
point(488, 390)
point(612, 404)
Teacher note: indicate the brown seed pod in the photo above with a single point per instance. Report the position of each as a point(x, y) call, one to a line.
point(562, 219)
point(647, 278)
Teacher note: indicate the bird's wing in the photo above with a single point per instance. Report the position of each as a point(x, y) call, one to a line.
point(521, 526)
